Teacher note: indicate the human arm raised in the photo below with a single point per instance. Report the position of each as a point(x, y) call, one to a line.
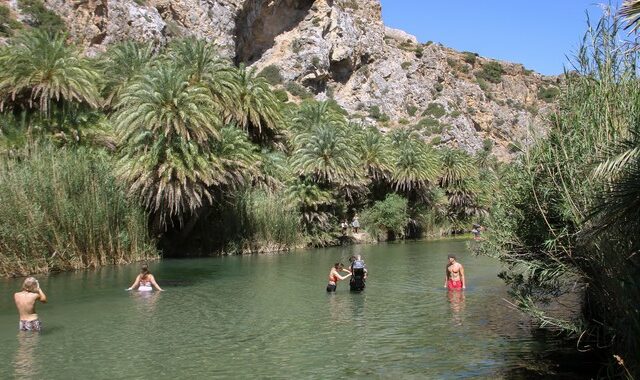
point(41, 296)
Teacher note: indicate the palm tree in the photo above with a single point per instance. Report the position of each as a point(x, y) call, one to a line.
point(120, 64)
point(630, 10)
point(325, 154)
point(258, 111)
point(417, 166)
point(167, 127)
point(39, 69)
point(313, 203)
point(375, 152)
point(204, 65)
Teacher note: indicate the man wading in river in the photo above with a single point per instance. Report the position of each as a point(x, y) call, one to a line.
point(26, 304)
point(454, 275)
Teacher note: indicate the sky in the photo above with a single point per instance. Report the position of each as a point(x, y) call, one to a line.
point(540, 34)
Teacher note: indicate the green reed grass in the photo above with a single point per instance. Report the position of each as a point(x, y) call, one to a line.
point(61, 209)
point(542, 215)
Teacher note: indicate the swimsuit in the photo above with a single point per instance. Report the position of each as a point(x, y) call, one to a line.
point(333, 280)
point(331, 288)
point(454, 284)
point(33, 325)
point(145, 286)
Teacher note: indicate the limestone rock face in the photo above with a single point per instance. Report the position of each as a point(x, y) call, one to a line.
point(339, 49)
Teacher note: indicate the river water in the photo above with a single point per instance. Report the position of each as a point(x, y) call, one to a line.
point(269, 316)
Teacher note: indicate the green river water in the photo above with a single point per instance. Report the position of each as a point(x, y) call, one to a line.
point(269, 316)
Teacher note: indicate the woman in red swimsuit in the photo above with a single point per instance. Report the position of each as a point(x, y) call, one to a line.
point(454, 275)
point(334, 276)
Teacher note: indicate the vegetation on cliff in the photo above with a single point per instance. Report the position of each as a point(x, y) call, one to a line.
point(207, 151)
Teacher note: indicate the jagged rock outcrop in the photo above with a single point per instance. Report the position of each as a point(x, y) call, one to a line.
point(339, 49)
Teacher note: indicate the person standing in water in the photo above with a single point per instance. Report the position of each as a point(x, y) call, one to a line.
point(355, 224)
point(26, 304)
point(144, 281)
point(334, 276)
point(454, 275)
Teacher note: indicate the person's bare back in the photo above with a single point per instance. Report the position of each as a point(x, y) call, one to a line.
point(26, 304)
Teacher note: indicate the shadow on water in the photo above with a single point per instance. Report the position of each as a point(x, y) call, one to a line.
point(561, 360)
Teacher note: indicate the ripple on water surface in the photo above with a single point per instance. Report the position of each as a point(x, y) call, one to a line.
point(269, 316)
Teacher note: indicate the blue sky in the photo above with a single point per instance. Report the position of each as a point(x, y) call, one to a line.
point(537, 33)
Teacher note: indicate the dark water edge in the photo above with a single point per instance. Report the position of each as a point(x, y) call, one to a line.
point(561, 360)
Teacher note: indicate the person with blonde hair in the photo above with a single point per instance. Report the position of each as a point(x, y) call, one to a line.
point(144, 281)
point(26, 304)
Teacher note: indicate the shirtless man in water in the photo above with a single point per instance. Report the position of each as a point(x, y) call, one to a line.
point(26, 304)
point(454, 275)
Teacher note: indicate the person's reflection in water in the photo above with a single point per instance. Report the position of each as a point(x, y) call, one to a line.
point(24, 364)
point(456, 301)
point(347, 308)
point(146, 302)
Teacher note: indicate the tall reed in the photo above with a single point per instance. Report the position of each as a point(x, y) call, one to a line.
point(546, 206)
point(62, 209)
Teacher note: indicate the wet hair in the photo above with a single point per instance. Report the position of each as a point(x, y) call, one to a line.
point(30, 284)
point(144, 271)
point(336, 265)
point(451, 256)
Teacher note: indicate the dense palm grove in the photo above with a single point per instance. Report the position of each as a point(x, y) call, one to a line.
point(171, 149)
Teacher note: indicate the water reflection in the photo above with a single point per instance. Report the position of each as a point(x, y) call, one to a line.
point(346, 308)
point(24, 363)
point(146, 302)
point(456, 302)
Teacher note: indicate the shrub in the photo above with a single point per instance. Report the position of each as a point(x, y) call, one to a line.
point(455, 114)
point(469, 57)
point(403, 121)
point(438, 87)
point(419, 51)
point(299, 91)
point(411, 110)
point(487, 145)
point(386, 219)
point(548, 94)
point(491, 71)
point(436, 140)
point(434, 109)
point(41, 17)
point(375, 113)
point(484, 86)
point(281, 95)
point(428, 43)
point(7, 23)
point(405, 65)
point(296, 45)
point(271, 74)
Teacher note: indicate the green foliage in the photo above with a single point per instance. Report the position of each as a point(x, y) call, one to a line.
point(281, 95)
point(411, 109)
point(62, 209)
point(8, 24)
point(434, 109)
point(469, 57)
point(405, 65)
point(260, 221)
point(548, 94)
point(40, 17)
point(491, 72)
point(299, 91)
point(438, 87)
point(387, 218)
point(271, 74)
point(419, 51)
point(375, 113)
point(558, 227)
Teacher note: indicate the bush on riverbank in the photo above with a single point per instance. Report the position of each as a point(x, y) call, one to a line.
point(62, 209)
point(554, 223)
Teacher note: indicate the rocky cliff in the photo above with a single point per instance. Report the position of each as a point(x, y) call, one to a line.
point(339, 49)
